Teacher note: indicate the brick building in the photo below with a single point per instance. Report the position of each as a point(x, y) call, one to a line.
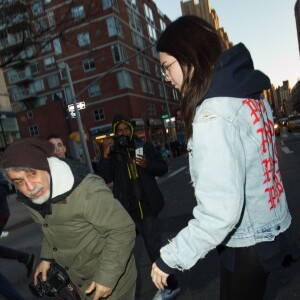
point(102, 43)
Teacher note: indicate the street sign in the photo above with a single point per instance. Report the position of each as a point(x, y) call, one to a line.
point(80, 105)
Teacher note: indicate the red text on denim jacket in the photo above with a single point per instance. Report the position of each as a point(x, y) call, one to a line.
point(272, 181)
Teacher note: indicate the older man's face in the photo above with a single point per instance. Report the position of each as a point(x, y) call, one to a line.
point(34, 184)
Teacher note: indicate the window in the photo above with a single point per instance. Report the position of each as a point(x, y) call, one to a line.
point(83, 39)
point(144, 84)
point(151, 109)
point(35, 68)
point(139, 61)
point(78, 13)
point(41, 25)
point(151, 32)
point(51, 19)
point(146, 65)
point(33, 130)
point(29, 114)
point(134, 20)
point(162, 25)
point(161, 89)
point(39, 85)
point(57, 96)
point(137, 40)
point(46, 46)
point(124, 79)
point(89, 64)
point(155, 53)
point(94, 90)
point(119, 53)
point(114, 27)
point(53, 81)
point(99, 114)
point(157, 70)
point(41, 101)
point(150, 25)
point(68, 95)
point(63, 73)
point(37, 8)
point(57, 46)
point(132, 4)
point(149, 14)
point(49, 62)
point(150, 86)
point(106, 4)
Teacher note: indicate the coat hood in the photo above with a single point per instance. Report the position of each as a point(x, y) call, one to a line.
point(121, 119)
point(235, 76)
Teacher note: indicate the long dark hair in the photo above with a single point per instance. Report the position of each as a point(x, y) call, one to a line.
point(196, 45)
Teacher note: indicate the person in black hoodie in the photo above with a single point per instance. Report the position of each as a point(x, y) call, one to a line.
point(241, 208)
point(135, 186)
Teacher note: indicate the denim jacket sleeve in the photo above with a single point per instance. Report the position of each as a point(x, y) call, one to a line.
point(217, 167)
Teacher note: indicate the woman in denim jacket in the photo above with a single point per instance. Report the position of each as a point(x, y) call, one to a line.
point(241, 205)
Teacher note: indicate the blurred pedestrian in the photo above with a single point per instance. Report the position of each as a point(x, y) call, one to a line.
point(135, 186)
point(60, 148)
point(6, 288)
point(85, 230)
point(241, 204)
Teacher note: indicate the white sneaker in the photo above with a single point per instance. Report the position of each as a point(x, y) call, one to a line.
point(166, 294)
point(4, 234)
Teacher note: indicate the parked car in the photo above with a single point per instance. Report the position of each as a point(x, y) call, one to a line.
point(293, 123)
point(283, 121)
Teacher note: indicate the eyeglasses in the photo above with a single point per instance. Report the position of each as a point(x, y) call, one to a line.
point(164, 69)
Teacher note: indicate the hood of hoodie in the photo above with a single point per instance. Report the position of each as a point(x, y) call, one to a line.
point(235, 76)
point(121, 119)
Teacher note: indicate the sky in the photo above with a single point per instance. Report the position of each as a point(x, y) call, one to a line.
point(266, 27)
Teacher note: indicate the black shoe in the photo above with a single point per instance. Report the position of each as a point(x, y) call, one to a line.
point(29, 265)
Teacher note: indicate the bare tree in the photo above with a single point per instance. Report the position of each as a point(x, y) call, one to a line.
point(27, 27)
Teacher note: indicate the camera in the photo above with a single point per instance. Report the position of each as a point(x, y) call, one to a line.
point(121, 142)
point(57, 278)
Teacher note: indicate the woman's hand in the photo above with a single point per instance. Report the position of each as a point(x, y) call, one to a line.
point(159, 277)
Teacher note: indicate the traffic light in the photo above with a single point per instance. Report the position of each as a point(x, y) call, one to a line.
point(165, 116)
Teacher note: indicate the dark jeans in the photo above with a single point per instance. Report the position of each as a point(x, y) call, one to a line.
point(9, 253)
point(7, 290)
point(247, 282)
point(150, 230)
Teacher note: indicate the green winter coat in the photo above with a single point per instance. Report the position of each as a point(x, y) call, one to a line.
point(91, 235)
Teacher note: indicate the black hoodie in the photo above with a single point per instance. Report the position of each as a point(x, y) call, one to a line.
point(235, 76)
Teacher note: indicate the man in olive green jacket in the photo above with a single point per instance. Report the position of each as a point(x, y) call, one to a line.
point(86, 231)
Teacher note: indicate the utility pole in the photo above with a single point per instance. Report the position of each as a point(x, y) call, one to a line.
point(168, 108)
point(78, 118)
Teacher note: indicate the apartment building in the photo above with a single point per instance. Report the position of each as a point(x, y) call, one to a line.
point(9, 129)
point(203, 10)
point(109, 48)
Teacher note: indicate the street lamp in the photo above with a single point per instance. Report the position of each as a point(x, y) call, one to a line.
point(64, 66)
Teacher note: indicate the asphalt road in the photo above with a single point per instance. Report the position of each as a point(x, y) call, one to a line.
point(202, 281)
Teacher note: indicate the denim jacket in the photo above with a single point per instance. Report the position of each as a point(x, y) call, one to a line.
point(235, 174)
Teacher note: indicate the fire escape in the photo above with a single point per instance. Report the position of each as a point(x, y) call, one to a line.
point(15, 31)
